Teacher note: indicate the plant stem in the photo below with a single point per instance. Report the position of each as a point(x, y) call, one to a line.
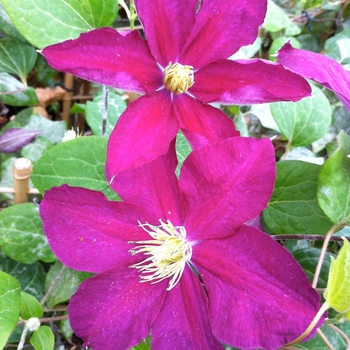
point(312, 325)
point(46, 319)
point(339, 331)
point(288, 147)
point(53, 285)
point(105, 110)
point(23, 338)
point(324, 338)
point(309, 237)
point(323, 253)
point(132, 14)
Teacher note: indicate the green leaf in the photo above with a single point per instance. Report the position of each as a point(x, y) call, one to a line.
point(334, 183)
point(278, 43)
point(308, 259)
point(31, 277)
point(79, 162)
point(66, 328)
point(247, 51)
point(10, 306)
point(84, 275)
point(338, 342)
point(338, 47)
point(44, 23)
point(14, 93)
point(94, 111)
point(16, 57)
point(36, 149)
point(337, 293)
point(65, 287)
point(43, 339)
point(263, 112)
point(304, 154)
point(241, 124)
point(22, 237)
point(30, 307)
point(7, 27)
point(78, 108)
point(293, 207)
point(277, 20)
point(6, 177)
point(305, 121)
point(44, 73)
point(144, 344)
point(141, 346)
point(29, 120)
point(183, 149)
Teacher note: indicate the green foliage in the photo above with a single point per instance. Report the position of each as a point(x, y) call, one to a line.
point(293, 207)
point(308, 258)
point(301, 188)
point(79, 162)
point(43, 339)
point(337, 293)
point(30, 307)
point(337, 341)
point(22, 237)
point(31, 277)
point(29, 120)
point(43, 24)
point(182, 150)
point(276, 20)
point(305, 121)
point(334, 183)
point(94, 112)
point(36, 149)
point(338, 47)
point(65, 287)
point(14, 93)
point(16, 58)
point(10, 305)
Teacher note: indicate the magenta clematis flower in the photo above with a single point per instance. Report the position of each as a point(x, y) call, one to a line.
point(320, 68)
point(175, 257)
point(179, 69)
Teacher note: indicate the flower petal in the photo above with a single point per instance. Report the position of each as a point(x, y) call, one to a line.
point(167, 24)
point(143, 132)
point(183, 321)
point(225, 184)
point(319, 68)
point(113, 310)
point(87, 232)
point(248, 82)
point(221, 28)
point(108, 57)
point(13, 140)
point(259, 297)
point(200, 123)
point(154, 186)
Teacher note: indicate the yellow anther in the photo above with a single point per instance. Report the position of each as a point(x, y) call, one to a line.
point(178, 78)
point(167, 253)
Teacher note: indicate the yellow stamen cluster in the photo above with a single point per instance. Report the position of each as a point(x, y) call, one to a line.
point(178, 78)
point(168, 252)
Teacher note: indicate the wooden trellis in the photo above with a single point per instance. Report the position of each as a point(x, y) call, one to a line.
point(21, 171)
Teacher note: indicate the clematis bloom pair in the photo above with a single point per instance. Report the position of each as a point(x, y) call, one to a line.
point(175, 257)
point(179, 70)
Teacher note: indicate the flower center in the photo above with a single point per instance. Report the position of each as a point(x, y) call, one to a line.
point(178, 78)
point(168, 252)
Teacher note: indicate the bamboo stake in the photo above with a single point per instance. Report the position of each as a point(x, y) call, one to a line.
point(67, 98)
point(22, 168)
